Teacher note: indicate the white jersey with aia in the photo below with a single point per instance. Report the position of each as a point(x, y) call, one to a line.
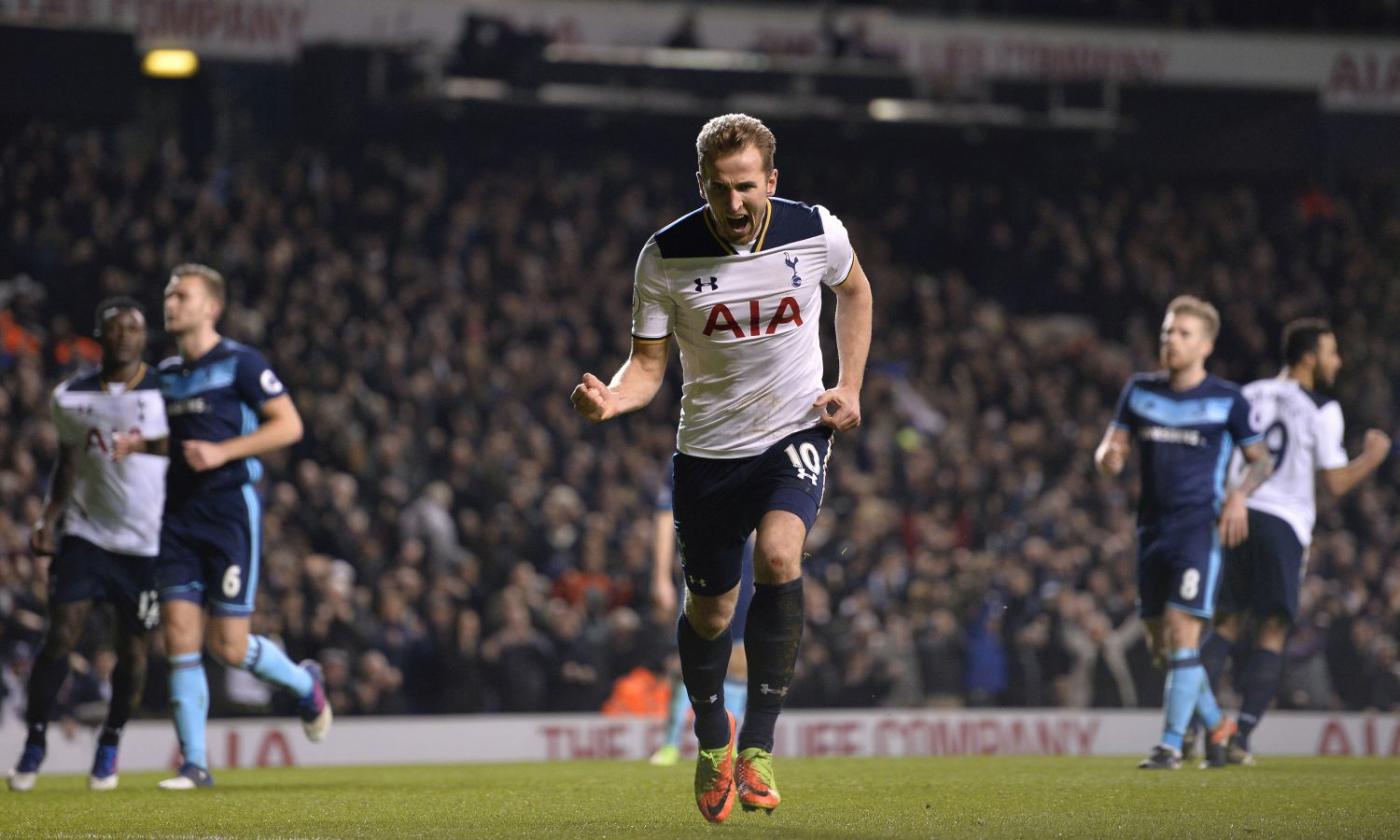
point(1303, 431)
point(116, 505)
point(746, 320)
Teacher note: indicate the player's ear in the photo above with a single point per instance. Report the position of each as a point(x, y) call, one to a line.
point(772, 182)
point(700, 184)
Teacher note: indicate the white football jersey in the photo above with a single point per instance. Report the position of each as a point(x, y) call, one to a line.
point(1303, 431)
point(116, 505)
point(747, 323)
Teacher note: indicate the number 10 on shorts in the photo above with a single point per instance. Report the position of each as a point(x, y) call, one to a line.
point(806, 460)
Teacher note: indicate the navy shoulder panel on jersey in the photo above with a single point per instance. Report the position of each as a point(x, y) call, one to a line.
point(151, 381)
point(1319, 400)
point(90, 381)
point(1149, 379)
point(792, 222)
point(235, 346)
point(1224, 384)
point(689, 237)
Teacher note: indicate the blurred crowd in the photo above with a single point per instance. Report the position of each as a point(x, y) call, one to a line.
point(451, 537)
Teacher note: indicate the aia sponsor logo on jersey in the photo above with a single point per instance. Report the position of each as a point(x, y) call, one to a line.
point(95, 439)
point(723, 320)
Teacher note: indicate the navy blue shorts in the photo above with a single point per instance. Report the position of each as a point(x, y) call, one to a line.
point(1263, 574)
point(741, 608)
point(82, 571)
point(1179, 566)
point(209, 551)
point(719, 503)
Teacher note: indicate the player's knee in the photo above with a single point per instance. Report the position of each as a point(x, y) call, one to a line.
point(710, 617)
point(58, 643)
point(63, 635)
point(777, 558)
point(132, 651)
point(1228, 627)
point(1273, 633)
point(711, 624)
point(180, 636)
point(230, 650)
point(777, 568)
point(777, 555)
point(1183, 631)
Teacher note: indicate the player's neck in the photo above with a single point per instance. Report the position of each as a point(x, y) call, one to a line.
point(1185, 380)
point(125, 373)
point(1303, 376)
point(196, 343)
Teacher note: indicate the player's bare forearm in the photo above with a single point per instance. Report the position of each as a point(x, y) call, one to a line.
point(61, 483)
point(1234, 514)
point(1259, 465)
point(281, 427)
point(274, 433)
point(44, 539)
point(1375, 452)
point(133, 444)
point(840, 406)
point(855, 303)
point(634, 385)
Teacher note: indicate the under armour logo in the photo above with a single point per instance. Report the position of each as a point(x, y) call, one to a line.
point(792, 264)
point(764, 689)
point(695, 581)
point(700, 283)
point(695, 701)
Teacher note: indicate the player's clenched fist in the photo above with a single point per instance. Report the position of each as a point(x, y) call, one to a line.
point(203, 455)
point(1234, 521)
point(1112, 457)
point(1377, 443)
point(42, 540)
point(593, 400)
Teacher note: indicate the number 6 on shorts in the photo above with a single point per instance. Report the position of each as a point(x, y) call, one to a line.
point(233, 581)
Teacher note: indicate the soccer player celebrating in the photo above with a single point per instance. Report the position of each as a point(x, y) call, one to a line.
point(737, 281)
point(216, 392)
point(1187, 423)
point(102, 522)
point(1303, 432)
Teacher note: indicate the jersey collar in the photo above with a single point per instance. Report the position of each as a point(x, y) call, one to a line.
point(729, 249)
point(128, 384)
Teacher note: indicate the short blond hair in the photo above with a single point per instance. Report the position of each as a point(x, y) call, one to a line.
point(731, 133)
point(1192, 305)
point(213, 280)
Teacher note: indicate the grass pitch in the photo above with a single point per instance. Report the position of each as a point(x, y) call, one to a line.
point(835, 798)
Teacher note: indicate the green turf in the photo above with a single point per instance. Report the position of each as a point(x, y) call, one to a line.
point(856, 798)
